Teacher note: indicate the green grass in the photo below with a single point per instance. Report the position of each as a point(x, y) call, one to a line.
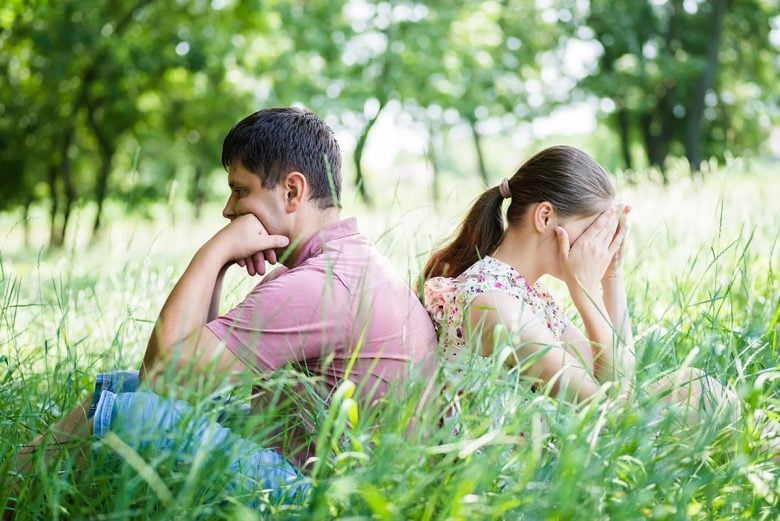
point(704, 286)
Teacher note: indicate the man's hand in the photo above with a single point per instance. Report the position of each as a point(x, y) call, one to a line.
point(246, 242)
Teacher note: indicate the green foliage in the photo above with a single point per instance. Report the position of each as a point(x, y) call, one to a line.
point(687, 78)
point(702, 272)
point(123, 99)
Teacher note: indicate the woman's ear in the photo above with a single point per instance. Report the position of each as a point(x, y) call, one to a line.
point(294, 189)
point(542, 217)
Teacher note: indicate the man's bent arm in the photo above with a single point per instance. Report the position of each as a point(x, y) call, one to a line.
point(180, 334)
point(216, 294)
point(187, 307)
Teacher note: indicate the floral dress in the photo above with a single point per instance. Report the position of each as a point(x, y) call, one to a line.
point(446, 300)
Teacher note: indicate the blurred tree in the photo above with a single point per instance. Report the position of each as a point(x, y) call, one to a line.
point(672, 70)
point(149, 88)
point(93, 75)
point(473, 61)
point(345, 65)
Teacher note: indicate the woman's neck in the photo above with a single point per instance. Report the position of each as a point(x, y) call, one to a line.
point(521, 251)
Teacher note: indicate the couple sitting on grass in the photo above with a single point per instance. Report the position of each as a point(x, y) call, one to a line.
point(337, 309)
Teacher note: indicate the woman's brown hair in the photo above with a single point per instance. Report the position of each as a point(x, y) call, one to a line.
point(566, 177)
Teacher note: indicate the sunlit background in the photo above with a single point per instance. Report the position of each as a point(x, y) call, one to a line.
point(115, 110)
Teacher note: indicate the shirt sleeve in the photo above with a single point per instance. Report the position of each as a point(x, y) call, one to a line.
point(300, 315)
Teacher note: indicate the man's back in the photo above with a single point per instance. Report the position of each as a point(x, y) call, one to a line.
point(340, 312)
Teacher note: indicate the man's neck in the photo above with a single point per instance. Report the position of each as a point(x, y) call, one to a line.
point(308, 226)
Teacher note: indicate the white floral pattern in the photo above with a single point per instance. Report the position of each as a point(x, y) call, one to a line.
point(446, 300)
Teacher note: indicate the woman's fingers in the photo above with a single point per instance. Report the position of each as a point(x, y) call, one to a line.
point(563, 241)
point(596, 227)
point(241, 262)
point(616, 245)
point(608, 228)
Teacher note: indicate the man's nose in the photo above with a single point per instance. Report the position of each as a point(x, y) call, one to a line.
point(228, 212)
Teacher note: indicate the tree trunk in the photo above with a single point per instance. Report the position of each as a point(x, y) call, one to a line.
point(357, 156)
point(101, 188)
point(657, 130)
point(623, 125)
point(54, 196)
point(26, 221)
point(70, 198)
point(480, 155)
point(63, 172)
point(693, 131)
point(655, 148)
point(658, 123)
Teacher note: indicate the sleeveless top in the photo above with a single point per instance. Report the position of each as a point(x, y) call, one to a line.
point(447, 299)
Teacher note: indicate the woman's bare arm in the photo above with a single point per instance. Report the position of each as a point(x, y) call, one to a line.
point(536, 350)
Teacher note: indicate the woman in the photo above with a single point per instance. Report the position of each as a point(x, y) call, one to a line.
point(563, 221)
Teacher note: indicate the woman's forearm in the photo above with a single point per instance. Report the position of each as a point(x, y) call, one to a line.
point(616, 304)
point(599, 329)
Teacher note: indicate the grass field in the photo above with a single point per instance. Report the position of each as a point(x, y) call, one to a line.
point(703, 274)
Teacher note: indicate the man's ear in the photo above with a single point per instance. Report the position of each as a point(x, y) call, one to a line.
point(294, 188)
point(542, 217)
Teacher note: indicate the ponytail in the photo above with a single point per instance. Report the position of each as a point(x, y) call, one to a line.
point(478, 235)
point(568, 178)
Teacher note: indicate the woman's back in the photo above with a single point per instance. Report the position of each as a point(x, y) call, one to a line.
point(447, 300)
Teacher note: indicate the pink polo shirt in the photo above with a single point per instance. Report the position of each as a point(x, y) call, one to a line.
point(342, 304)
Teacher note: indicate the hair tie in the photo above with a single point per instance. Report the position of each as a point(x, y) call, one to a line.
point(503, 188)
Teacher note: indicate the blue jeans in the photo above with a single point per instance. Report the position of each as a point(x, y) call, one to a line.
point(153, 424)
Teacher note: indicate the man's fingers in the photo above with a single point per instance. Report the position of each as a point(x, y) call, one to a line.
point(241, 262)
point(250, 266)
point(273, 241)
point(270, 256)
point(259, 259)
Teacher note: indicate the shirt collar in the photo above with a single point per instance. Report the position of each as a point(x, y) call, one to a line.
point(314, 246)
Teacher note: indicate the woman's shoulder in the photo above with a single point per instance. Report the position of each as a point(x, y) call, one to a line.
point(491, 274)
point(486, 270)
point(441, 294)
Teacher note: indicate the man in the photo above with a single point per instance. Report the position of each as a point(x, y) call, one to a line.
point(335, 308)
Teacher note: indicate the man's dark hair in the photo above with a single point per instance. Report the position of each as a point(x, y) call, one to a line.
point(274, 142)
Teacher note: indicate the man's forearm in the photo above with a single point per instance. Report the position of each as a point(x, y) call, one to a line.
point(216, 294)
point(187, 307)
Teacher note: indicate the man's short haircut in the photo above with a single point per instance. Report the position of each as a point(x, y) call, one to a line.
point(274, 142)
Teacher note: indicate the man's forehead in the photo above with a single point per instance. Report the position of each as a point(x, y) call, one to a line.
point(237, 174)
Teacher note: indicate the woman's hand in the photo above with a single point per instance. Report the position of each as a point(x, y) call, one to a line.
point(615, 268)
point(585, 264)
